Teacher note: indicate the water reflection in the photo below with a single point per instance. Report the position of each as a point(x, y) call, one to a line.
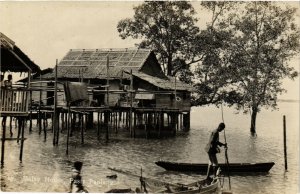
point(47, 169)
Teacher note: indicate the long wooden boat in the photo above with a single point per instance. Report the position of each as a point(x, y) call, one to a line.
point(158, 186)
point(200, 187)
point(202, 168)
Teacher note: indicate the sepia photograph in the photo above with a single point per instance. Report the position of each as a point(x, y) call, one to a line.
point(150, 96)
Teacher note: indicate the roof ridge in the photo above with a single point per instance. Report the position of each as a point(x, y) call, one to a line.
point(112, 49)
point(4, 40)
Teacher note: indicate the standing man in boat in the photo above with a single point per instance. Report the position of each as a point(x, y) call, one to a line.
point(212, 148)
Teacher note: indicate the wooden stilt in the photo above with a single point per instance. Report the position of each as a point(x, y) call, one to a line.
point(22, 140)
point(30, 114)
point(119, 119)
point(19, 129)
point(162, 121)
point(145, 125)
point(159, 124)
point(106, 120)
point(98, 126)
point(68, 129)
point(284, 143)
point(134, 124)
point(40, 121)
point(30, 121)
point(44, 125)
point(55, 115)
point(3, 139)
point(126, 120)
point(116, 121)
point(10, 126)
point(57, 130)
point(82, 130)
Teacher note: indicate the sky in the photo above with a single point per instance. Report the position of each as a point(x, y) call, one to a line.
point(47, 30)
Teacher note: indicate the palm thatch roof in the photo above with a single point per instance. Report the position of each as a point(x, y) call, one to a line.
point(92, 64)
point(13, 59)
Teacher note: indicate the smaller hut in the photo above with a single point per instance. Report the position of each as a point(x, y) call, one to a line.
point(14, 99)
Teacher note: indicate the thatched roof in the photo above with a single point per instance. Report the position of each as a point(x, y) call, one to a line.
point(92, 64)
point(167, 84)
point(13, 59)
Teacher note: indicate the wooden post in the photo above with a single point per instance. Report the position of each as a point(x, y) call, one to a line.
point(107, 81)
point(106, 121)
point(30, 114)
point(159, 121)
point(3, 139)
point(30, 121)
point(57, 131)
point(55, 127)
point(284, 143)
point(145, 125)
point(175, 93)
point(22, 140)
point(19, 128)
point(186, 121)
point(130, 110)
point(39, 121)
point(44, 126)
point(68, 128)
point(134, 123)
point(10, 126)
point(82, 132)
point(119, 119)
point(98, 126)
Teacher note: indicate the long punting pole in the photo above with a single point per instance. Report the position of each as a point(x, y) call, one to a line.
point(284, 143)
point(226, 154)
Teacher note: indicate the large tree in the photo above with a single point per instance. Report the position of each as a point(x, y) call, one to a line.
point(262, 38)
point(168, 28)
point(212, 75)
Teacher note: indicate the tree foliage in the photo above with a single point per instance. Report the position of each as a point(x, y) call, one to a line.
point(212, 75)
point(166, 27)
point(253, 58)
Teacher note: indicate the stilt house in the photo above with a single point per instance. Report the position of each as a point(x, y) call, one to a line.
point(14, 100)
point(120, 70)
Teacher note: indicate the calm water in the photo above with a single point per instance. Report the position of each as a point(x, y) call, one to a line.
point(47, 169)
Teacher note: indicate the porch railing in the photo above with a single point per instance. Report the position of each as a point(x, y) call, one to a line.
point(13, 101)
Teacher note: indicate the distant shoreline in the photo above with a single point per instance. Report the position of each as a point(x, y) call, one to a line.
point(287, 100)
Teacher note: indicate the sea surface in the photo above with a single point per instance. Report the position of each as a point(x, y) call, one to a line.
point(46, 168)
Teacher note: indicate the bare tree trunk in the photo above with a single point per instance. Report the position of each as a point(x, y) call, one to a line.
point(169, 66)
point(253, 120)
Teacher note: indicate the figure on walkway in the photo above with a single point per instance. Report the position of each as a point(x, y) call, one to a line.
point(76, 179)
point(8, 82)
point(212, 148)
